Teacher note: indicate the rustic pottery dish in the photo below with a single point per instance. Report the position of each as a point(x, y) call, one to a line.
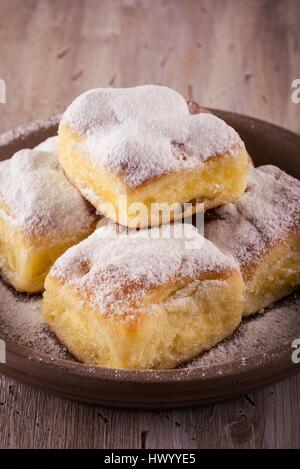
point(260, 352)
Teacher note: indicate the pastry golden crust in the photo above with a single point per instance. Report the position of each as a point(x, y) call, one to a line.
point(141, 301)
point(143, 144)
point(261, 231)
point(41, 215)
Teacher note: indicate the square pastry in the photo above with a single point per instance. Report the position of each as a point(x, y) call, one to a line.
point(261, 232)
point(41, 215)
point(138, 155)
point(144, 299)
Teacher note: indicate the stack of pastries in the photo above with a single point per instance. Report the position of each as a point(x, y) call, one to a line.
point(144, 289)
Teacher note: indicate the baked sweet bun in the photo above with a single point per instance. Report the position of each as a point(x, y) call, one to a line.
point(148, 299)
point(41, 215)
point(261, 231)
point(129, 150)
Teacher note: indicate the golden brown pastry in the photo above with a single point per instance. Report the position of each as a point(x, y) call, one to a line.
point(41, 215)
point(147, 299)
point(261, 231)
point(128, 150)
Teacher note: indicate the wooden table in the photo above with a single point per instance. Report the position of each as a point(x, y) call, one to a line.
point(236, 54)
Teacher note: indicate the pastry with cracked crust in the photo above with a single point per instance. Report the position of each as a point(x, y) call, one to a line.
point(146, 299)
point(41, 215)
point(261, 231)
point(135, 152)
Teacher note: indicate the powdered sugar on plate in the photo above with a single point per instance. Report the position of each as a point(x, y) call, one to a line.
point(115, 270)
point(144, 132)
point(21, 321)
point(265, 214)
point(37, 197)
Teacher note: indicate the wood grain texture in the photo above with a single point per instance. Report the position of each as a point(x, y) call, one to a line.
point(235, 55)
point(267, 418)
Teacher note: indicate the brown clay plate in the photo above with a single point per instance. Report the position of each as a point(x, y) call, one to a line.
point(259, 353)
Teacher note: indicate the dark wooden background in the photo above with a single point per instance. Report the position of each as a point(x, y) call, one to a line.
point(240, 55)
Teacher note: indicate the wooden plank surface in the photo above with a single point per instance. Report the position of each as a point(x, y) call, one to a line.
point(236, 55)
point(263, 419)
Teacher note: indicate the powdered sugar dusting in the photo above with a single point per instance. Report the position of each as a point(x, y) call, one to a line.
point(114, 271)
point(38, 197)
point(267, 212)
point(144, 132)
point(21, 321)
point(50, 145)
point(104, 107)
